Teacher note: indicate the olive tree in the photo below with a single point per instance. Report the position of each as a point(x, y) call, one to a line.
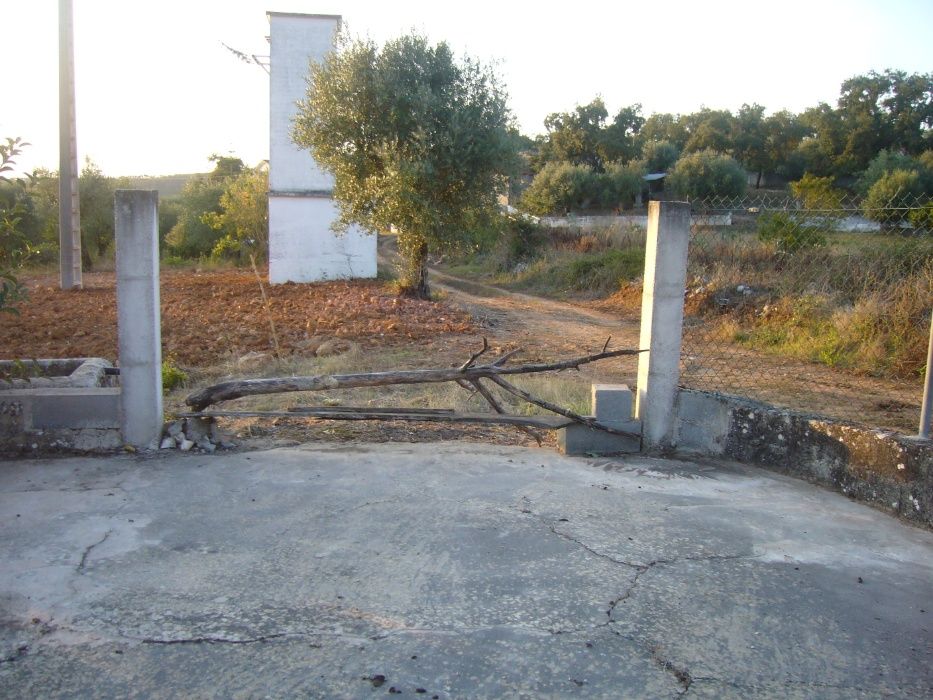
point(706, 174)
point(415, 140)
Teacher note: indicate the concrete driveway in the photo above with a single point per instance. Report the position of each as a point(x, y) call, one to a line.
point(451, 571)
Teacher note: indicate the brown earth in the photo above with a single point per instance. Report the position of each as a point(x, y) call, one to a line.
point(211, 316)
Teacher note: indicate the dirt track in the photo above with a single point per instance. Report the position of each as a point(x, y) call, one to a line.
point(555, 328)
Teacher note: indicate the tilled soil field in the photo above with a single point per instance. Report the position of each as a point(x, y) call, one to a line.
point(210, 316)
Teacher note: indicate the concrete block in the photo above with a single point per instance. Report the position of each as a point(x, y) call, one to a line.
point(74, 408)
point(612, 402)
point(702, 422)
point(577, 439)
point(95, 439)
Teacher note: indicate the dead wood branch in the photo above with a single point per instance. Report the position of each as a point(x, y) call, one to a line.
point(547, 405)
point(235, 389)
point(442, 416)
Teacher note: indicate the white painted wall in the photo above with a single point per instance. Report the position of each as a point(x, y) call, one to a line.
point(302, 247)
point(294, 41)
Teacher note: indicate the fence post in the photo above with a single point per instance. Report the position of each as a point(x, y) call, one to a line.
point(926, 409)
point(138, 315)
point(662, 315)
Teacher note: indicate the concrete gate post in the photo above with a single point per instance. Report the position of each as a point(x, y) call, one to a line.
point(662, 316)
point(138, 316)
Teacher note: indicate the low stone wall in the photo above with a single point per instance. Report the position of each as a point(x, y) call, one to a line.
point(885, 469)
point(77, 410)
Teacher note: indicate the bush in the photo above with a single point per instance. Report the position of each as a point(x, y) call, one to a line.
point(886, 162)
point(172, 375)
point(621, 185)
point(559, 187)
point(788, 233)
point(817, 193)
point(707, 174)
point(889, 199)
point(659, 156)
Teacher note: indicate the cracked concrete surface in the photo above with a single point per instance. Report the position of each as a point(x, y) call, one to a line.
point(487, 572)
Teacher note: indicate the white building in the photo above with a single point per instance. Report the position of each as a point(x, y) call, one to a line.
point(302, 246)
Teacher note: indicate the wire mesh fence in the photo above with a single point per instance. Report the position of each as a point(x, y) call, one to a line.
point(819, 305)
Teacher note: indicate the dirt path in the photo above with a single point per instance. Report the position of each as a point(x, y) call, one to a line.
point(554, 328)
point(545, 328)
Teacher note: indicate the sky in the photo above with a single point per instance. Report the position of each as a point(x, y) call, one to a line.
point(157, 93)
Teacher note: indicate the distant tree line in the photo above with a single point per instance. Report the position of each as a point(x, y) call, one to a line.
point(221, 214)
point(880, 130)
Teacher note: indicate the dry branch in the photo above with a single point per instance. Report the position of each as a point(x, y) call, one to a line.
point(445, 416)
point(235, 389)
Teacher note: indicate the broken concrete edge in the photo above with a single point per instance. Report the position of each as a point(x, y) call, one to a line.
point(882, 468)
point(82, 372)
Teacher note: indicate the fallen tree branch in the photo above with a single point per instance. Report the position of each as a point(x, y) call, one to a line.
point(444, 416)
point(497, 407)
point(235, 389)
point(547, 405)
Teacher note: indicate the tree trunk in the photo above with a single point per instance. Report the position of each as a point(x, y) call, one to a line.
point(758, 181)
point(414, 253)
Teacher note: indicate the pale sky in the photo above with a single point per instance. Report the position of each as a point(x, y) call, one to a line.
point(157, 93)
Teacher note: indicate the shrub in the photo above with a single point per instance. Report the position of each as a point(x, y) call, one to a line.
point(659, 156)
point(707, 174)
point(172, 375)
point(890, 197)
point(817, 193)
point(622, 184)
point(788, 233)
point(558, 187)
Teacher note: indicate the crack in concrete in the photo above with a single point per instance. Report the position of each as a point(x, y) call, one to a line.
point(215, 640)
point(680, 673)
point(87, 552)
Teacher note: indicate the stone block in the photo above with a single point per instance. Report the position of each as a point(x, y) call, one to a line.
point(612, 402)
point(577, 439)
point(50, 409)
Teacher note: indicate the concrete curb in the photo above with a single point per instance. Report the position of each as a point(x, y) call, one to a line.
point(890, 471)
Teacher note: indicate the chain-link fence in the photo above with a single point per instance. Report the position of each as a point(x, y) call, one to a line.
point(820, 306)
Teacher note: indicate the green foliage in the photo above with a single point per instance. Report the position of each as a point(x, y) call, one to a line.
point(557, 188)
point(14, 246)
point(709, 130)
point(658, 156)
point(582, 137)
point(788, 233)
point(707, 174)
point(891, 197)
point(922, 217)
point(96, 192)
point(243, 218)
point(621, 184)
point(172, 375)
point(887, 162)
point(192, 235)
point(415, 140)
point(817, 193)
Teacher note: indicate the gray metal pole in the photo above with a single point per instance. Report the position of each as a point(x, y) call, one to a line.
point(926, 408)
point(69, 218)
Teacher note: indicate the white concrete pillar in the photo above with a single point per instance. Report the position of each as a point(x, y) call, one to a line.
point(138, 316)
point(662, 317)
point(302, 247)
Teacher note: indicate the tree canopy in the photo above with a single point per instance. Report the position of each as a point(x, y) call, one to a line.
point(415, 139)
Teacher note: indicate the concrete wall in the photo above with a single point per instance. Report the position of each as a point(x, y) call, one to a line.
point(294, 41)
point(884, 469)
point(302, 248)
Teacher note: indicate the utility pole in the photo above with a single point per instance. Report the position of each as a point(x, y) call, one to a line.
point(69, 217)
